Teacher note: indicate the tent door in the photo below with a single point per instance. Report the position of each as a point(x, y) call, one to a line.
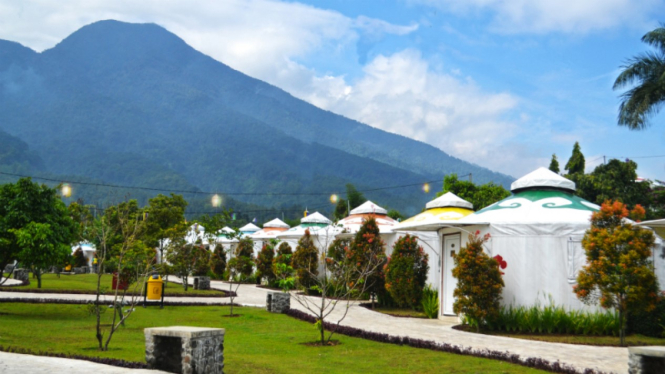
point(451, 246)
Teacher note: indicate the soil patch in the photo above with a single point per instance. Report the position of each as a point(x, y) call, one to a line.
point(331, 343)
point(395, 312)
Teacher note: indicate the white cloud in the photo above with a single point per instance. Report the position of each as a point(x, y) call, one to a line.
point(543, 16)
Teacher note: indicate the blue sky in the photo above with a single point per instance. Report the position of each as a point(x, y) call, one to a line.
point(503, 84)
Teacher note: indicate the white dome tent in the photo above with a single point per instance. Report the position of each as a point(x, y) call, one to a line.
point(537, 231)
point(269, 231)
point(351, 224)
point(320, 228)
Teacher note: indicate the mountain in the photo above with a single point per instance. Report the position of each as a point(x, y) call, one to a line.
point(134, 104)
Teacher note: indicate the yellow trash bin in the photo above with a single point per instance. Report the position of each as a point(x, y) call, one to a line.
point(154, 290)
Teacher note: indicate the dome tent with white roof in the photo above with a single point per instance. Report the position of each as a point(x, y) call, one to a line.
point(447, 208)
point(537, 231)
point(320, 228)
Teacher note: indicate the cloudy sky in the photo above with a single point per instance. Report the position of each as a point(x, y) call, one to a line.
point(501, 83)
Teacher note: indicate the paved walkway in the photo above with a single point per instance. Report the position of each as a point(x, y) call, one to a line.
point(608, 359)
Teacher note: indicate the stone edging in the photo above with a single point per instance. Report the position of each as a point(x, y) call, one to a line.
point(78, 292)
point(531, 362)
point(82, 302)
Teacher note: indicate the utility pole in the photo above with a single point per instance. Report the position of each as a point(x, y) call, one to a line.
point(471, 177)
point(603, 159)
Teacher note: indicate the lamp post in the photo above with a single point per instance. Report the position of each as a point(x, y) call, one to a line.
point(66, 190)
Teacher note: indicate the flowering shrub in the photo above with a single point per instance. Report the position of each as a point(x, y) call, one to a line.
point(479, 282)
point(406, 272)
point(618, 272)
point(244, 258)
point(366, 249)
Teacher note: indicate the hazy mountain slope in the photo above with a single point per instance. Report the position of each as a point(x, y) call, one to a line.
point(134, 104)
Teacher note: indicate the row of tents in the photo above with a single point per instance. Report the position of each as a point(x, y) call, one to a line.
point(536, 232)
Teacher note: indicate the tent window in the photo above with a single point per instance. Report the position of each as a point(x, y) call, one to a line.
point(573, 247)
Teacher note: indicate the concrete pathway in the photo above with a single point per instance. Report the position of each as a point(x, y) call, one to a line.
point(607, 359)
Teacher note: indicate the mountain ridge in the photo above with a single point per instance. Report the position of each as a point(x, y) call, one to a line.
point(115, 89)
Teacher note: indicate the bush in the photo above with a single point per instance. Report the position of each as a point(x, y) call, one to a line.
point(306, 262)
point(366, 249)
point(553, 319)
point(284, 254)
point(406, 272)
point(430, 302)
point(264, 263)
point(218, 262)
point(479, 283)
point(202, 261)
point(79, 258)
point(282, 268)
point(245, 257)
point(649, 323)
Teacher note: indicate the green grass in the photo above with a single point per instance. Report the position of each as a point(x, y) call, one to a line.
point(631, 340)
point(255, 342)
point(88, 282)
point(397, 312)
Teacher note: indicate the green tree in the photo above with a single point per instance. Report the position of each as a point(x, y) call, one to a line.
point(28, 208)
point(615, 180)
point(186, 259)
point(406, 272)
point(645, 73)
point(554, 164)
point(164, 213)
point(306, 262)
point(264, 261)
point(396, 215)
point(619, 272)
point(576, 163)
point(479, 283)
point(480, 196)
point(354, 199)
point(79, 258)
point(366, 248)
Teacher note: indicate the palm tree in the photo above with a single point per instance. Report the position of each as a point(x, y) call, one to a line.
point(647, 71)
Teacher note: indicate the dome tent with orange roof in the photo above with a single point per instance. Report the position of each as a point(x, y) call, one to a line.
point(269, 231)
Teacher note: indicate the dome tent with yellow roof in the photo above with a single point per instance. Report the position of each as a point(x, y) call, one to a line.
point(447, 208)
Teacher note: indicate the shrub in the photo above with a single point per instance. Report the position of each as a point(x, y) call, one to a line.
point(79, 258)
point(479, 283)
point(202, 260)
point(306, 262)
point(649, 323)
point(553, 319)
point(283, 251)
point(218, 262)
point(406, 272)
point(244, 254)
point(368, 248)
point(430, 302)
point(264, 263)
point(282, 268)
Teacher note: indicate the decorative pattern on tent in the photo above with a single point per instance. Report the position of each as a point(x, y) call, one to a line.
point(249, 228)
point(547, 199)
point(270, 230)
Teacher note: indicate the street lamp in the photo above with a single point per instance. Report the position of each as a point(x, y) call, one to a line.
point(426, 188)
point(216, 201)
point(334, 198)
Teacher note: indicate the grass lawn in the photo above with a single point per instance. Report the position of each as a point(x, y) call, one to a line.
point(631, 340)
point(396, 312)
point(255, 342)
point(88, 282)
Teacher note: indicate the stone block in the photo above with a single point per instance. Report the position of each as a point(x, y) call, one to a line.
point(22, 275)
point(646, 360)
point(185, 349)
point(278, 302)
point(201, 283)
point(9, 268)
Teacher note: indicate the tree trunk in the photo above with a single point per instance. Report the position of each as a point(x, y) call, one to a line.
point(231, 293)
point(38, 273)
point(185, 282)
point(622, 332)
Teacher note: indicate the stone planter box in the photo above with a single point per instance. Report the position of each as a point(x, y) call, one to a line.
point(22, 275)
point(278, 302)
point(184, 349)
point(646, 360)
point(201, 283)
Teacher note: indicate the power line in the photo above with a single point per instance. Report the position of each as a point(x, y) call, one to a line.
point(198, 192)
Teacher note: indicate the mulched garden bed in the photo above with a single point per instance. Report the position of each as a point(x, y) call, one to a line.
point(80, 292)
point(369, 306)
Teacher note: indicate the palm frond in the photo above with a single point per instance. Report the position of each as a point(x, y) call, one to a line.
point(656, 38)
point(641, 103)
point(648, 66)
